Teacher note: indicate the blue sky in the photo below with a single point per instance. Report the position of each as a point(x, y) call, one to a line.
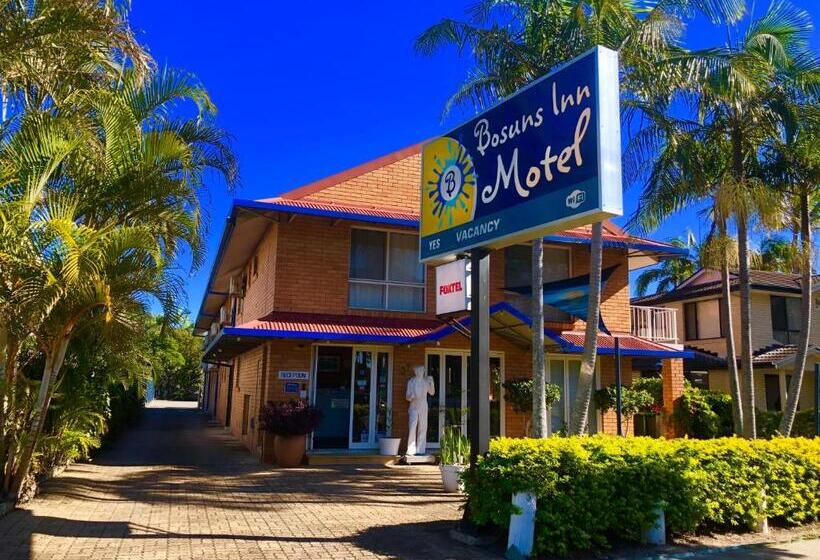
point(310, 89)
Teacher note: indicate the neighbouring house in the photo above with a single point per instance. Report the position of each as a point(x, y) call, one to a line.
point(775, 313)
point(319, 293)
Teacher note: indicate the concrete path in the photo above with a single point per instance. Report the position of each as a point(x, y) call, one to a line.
point(178, 487)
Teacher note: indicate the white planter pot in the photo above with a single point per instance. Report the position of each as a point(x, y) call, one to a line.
point(389, 446)
point(451, 477)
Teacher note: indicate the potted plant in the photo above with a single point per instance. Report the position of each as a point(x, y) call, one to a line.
point(290, 422)
point(388, 445)
point(518, 393)
point(455, 456)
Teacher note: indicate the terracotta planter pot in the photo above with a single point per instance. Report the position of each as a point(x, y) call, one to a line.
point(268, 448)
point(290, 450)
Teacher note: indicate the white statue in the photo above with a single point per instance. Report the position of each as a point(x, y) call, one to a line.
point(419, 386)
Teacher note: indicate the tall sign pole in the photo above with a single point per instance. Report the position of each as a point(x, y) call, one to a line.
point(546, 159)
point(479, 380)
point(618, 387)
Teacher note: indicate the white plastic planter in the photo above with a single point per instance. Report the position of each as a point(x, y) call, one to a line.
point(451, 477)
point(389, 446)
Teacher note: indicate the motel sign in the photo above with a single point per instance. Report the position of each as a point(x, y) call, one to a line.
point(544, 160)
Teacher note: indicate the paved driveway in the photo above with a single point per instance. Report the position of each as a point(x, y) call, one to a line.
point(177, 487)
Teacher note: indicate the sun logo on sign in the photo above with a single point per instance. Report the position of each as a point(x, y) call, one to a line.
point(448, 186)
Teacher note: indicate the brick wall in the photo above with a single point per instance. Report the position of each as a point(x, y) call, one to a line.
point(395, 185)
point(260, 287)
point(672, 374)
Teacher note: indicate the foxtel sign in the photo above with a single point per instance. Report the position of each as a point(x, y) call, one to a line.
point(544, 160)
point(452, 287)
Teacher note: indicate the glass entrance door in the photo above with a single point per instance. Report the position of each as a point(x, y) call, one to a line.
point(352, 389)
point(370, 395)
point(449, 406)
point(332, 396)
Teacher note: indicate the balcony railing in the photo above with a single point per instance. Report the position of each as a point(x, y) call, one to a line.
point(659, 324)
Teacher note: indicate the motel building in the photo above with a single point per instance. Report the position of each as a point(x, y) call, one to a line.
point(319, 293)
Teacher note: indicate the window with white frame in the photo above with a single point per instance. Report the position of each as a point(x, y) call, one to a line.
point(385, 272)
point(565, 372)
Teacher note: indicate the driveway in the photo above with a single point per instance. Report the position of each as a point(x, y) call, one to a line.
point(178, 487)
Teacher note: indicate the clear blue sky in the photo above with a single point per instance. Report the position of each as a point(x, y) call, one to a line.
point(309, 89)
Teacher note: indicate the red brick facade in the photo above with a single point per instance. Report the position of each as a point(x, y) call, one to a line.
point(301, 264)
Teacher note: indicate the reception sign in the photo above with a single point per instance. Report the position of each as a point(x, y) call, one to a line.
point(546, 159)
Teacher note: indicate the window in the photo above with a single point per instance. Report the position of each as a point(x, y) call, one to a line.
point(564, 372)
point(518, 273)
point(785, 318)
point(385, 272)
point(772, 386)
point(703, 319)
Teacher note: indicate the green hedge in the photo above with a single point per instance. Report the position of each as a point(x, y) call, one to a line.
point(595, 491)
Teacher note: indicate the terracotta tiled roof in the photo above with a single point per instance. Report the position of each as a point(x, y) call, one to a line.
point(606, 343)
point(613, 236)
point(285, 205)
point(760, 280)
point(357, 328)
point(773, 353)
point(314, 325)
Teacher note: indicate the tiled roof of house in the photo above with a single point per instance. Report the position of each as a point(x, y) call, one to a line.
point(357, 328)
point(760, 280)
point(773, 353)
point(349, 327)
point(613, 236)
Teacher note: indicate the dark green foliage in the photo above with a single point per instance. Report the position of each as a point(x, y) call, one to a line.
point(596, 491)
point(175, 356)
point(703, 414)
point(768, 423)
point(633, 400)
point(518, 392)
point(291, 418)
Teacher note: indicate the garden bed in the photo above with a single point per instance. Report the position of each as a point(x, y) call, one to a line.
point(596, 492)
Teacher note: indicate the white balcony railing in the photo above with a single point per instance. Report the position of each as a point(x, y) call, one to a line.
point(659, 324)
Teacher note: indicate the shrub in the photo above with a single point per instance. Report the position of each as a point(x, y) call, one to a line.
point(518, 392)
point(633, 400)
point(290, 418)
point(703, 414)
point(594, 491)
point(768, 423)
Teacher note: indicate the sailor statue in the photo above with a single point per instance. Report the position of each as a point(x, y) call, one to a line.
point(419, 386)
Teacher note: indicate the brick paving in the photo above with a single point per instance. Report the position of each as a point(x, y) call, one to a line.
point(178, 487)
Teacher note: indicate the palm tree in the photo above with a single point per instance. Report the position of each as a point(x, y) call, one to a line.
point(514, 42)
point(776, 255)
point(52, 48)
point(792, 164)
point(731, 92)
point(669, 274)
point(109, 219)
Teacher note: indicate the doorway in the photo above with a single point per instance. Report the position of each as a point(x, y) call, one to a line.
point(352, 388)
point(450, 370)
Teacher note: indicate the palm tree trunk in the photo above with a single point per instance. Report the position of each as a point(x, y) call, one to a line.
point(795, 387)
point(749, 422)
point(7, 398)
point(731, 355)
point(539, 402)
point(54, 361)
point(586, 377)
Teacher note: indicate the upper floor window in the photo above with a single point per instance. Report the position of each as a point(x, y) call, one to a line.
point(518, 272)
point(703, 319)
point(385, 272)
point(785, 318)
